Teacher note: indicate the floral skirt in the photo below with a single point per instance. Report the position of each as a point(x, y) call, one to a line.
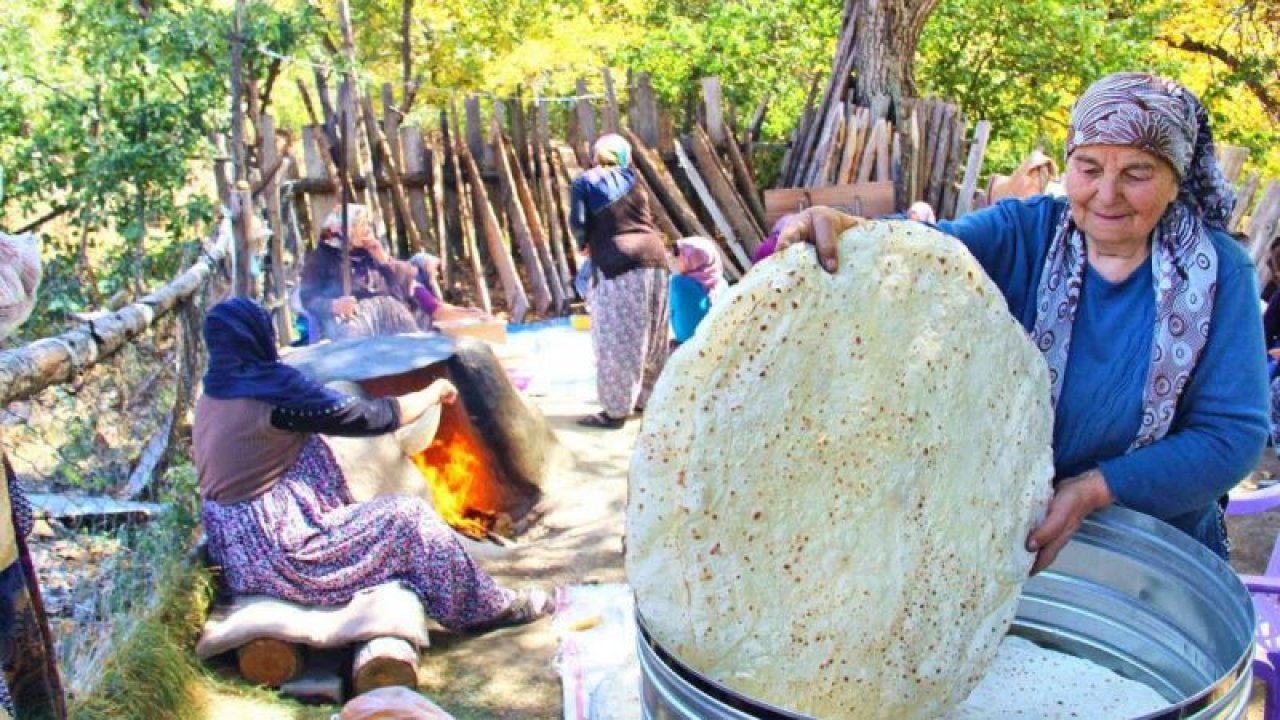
point(305, 540)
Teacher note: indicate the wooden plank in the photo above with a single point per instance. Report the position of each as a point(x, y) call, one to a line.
point(562, 182)
point(832, 132)
point(398, 195)
point(520, 224)
point(747, 189)
point(861, 199)
point(467, 212)
point(955, 156)
point(853, 128)
point(938, 159)
point(642, 112)
point(713, 110)
point(499, 250)
point(538, 234)
point(1244, 199)
point(660, 215)
point(973, 168)
point(279, 289)
point(837, 82)
point(414, 153)
point(550, 212)
point(883, 169)
point(1263, 222)
point(586, 115)
point(78, 508)
point(1232, 159)
point(867, 166)
point(610, 115)
point(721, 186)
point(723, 226)
point(791, 159)
point(480, 150)
point(665, 187)
point(757, 121)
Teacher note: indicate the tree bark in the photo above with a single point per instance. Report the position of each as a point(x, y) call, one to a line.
point(885, 36)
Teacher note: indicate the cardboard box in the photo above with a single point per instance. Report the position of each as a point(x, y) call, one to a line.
point(492, 330)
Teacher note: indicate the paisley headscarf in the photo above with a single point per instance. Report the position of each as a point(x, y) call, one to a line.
point(1165, 119)
point(612, 149)
point(702, 262)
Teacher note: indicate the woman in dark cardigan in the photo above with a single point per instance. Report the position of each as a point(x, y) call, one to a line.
point(612, 222)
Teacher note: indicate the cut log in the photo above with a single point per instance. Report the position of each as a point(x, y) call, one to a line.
point(736, 260)
point(665, 187)
point(520, 225)
point(270, 662)
point(384, 662)
point(499, 251)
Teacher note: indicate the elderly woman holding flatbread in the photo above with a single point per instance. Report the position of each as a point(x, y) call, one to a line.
point(1144, 308)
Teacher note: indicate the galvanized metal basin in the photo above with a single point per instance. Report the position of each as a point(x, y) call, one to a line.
point(1128, 592)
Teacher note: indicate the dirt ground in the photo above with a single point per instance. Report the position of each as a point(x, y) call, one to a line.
point(510, 674)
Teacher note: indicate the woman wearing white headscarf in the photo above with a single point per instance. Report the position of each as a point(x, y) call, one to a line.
point(612, 222)
point(1144, 308)
point(380, 295)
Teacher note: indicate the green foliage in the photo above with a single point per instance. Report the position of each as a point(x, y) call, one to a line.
point(107, 108)
point(756, 49)
point(1021, 64)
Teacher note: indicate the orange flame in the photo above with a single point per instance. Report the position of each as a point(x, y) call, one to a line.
point(463, 487)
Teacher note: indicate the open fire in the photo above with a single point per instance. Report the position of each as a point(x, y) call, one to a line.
point(464, 488)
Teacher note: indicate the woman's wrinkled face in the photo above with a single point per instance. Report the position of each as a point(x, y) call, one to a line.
point(1118, 193)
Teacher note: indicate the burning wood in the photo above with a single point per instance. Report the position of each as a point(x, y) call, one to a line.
point(463, 486)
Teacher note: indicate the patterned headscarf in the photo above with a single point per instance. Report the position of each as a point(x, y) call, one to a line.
point(701, 262)
point(612, 149)
point(1165, 119)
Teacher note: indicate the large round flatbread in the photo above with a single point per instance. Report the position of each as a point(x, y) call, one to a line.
point(836, 476)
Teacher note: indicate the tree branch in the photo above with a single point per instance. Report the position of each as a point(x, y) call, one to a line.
point(1270, 103)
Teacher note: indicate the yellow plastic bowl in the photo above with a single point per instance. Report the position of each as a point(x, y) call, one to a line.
point(580, 322)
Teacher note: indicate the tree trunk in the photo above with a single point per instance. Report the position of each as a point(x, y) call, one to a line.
point(884, 46)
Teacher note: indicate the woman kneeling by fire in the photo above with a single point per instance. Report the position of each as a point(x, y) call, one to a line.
point(276, 508)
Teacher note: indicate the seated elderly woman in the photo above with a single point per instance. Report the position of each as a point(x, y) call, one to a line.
point(276, 509)
point(383, 291)
point(1144, 308)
